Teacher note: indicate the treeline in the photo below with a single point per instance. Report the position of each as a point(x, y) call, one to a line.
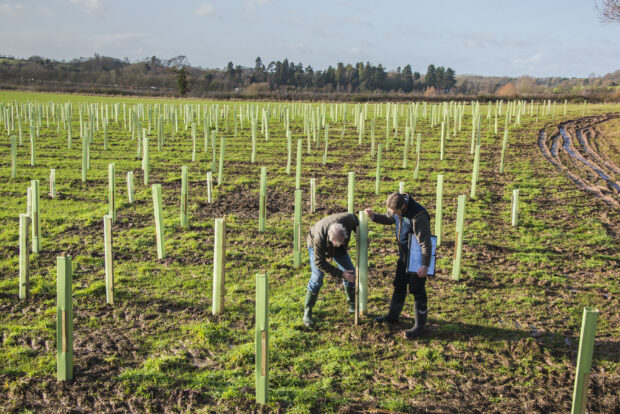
point(177, 74)
point(285, 80)
point(361, 77)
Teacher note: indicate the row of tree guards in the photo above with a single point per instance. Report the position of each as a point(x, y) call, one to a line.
point(34, 217)
point(64, 323)
point(450, 116)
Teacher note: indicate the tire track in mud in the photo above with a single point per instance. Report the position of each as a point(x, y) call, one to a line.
point(574, 151)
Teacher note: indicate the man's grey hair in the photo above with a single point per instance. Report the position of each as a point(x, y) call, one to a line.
point(336, 230)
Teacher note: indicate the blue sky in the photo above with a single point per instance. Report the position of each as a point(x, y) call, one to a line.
point(538, 38)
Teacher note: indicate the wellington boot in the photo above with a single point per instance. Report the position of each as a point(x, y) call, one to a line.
point(309, 303)
point(349, 291)
point(393, 313)
point(421, 314)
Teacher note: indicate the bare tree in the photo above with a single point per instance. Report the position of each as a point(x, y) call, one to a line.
point(608, 11)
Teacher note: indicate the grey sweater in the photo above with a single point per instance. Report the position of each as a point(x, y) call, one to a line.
point(323, 248)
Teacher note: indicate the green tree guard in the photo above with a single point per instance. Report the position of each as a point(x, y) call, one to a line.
point(13, 156)
point(253, 157)
point(105, 135)
point(209, 187)
point(109, 264)
point(33, 148)
point(351, 192)
point(312, 195)
point(401, 187)
point(458, 246)
point(298, 166)
point(515, 207)
point(326, 144)
point(84, 157)
point(584, 360)
point(289, 151)
point(439, 208)
point(220, 172)
point(262, 339)
point(146, 168)
point(405, 152)
point(378, 179)
point(262, 205)
point(24, 257)
point(184, 197)
point(36, 216)
point(297, 230)
point(130, 192)
point(219, 266)
point(372, 138)
point(362, 262)
point(213, 151)
point(52, 193)
point(159, 220)
point(476, 170)
point(193, 141)
point(64, 320)
point(504, 146)
point(112, 192)
point(443, 143)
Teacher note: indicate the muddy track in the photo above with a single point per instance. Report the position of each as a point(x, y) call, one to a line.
point(574, 150)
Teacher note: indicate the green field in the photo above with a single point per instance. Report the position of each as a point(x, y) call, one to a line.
point(502, 339)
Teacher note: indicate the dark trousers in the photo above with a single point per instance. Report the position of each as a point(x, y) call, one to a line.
point(417, 286)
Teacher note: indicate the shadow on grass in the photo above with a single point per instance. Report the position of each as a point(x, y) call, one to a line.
point(605, 349)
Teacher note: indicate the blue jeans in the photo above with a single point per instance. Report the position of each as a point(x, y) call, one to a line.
point(316, 279)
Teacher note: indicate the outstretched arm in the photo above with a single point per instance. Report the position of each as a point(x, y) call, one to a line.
point(380, 218)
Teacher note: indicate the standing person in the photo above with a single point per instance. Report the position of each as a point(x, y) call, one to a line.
point(329, 237)
point(409, 217)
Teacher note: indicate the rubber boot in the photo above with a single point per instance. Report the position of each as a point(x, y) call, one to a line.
point(421, 313)
point(349, 291)
point(393, 313)
point(308, 305)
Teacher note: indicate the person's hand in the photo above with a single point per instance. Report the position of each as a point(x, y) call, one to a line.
point(349, 275)
point(422, 271)
point(370, 213)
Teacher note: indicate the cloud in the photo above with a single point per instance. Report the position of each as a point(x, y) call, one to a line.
point(45, 11)
point(205, 9)
point(481, 40)
point(119, 37)
point(250, 5)
point(19, 10)
point(11, 9)
point(94, 7)
point(529, 63)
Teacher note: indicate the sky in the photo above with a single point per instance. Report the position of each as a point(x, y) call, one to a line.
point(501, 38)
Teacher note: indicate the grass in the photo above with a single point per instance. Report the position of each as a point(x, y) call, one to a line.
point(502, 339)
